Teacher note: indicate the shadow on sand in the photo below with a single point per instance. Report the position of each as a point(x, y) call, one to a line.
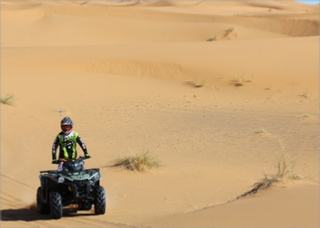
point(24, 214)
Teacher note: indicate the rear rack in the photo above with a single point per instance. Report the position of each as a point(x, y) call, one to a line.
point(56, 171)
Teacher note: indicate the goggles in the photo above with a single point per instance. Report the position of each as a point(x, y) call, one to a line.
point(66, 127)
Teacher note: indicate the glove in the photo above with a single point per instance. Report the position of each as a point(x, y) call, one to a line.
point(54, 161)
point(87, 156)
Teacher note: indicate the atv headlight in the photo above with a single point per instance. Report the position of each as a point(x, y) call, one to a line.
point(95, 177)
point(60, 180)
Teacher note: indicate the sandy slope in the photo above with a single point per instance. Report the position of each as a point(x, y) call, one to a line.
point(122, 72)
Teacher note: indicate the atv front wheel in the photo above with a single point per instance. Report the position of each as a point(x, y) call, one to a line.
point(85, 205)
point(55, 205)
point(42, 208)
point(99, 201)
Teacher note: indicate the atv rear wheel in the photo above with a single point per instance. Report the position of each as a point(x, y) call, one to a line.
point(55, 205)
point(99, 201)
point(42, 208)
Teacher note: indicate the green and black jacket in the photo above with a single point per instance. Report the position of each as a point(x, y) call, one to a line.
point(68, 145)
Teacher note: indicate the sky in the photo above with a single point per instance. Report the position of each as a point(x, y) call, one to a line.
point(309, 1)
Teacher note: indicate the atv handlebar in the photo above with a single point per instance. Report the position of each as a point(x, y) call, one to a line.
point(64, 160)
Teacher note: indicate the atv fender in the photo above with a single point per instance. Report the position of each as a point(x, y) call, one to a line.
point(43, 181)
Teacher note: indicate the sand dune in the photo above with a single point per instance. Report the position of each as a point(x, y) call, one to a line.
point(218, 91)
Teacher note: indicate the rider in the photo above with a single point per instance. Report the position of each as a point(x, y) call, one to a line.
point(67, 139)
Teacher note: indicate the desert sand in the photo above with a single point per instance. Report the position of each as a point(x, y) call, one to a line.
point(217, 91)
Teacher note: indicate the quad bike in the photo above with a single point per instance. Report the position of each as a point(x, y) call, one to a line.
point(72, 185)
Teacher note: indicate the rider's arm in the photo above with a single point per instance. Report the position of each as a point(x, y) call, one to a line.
point(82, 145)
point(54, 148)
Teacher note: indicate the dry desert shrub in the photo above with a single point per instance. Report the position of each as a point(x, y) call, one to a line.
point(305, 115)
point(241, 81)
point(196, 83)
point(228, 34)
point(214, 38)
point(140, 161)
point(305, 94)
point(263, 131)
point(284, 172)
point(268, 88)
point(7, 100)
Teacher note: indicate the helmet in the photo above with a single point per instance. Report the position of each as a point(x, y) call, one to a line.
point(66, 125)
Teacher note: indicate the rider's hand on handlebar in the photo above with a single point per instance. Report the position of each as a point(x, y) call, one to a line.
point(54, 161)
point(87, 156)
